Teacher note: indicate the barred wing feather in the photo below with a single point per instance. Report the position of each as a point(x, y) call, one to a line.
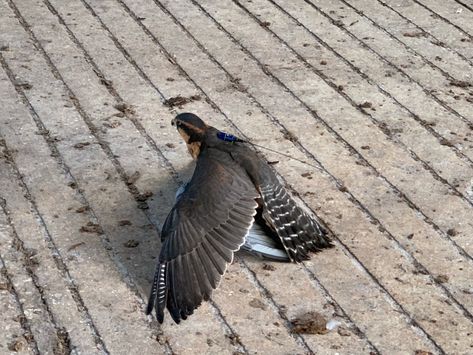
point(206, 226)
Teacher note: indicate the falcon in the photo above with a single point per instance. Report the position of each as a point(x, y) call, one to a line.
point(231, 188)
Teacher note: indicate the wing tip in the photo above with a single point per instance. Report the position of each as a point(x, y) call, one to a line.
point(158, 294)
point(153, 292)
point(150, 306)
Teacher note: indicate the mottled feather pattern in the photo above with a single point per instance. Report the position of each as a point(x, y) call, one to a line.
point(299, 232)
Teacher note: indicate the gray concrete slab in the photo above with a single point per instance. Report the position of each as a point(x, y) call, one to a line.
point(376, 96)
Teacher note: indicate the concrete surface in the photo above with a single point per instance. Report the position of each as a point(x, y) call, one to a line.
point(376, 96)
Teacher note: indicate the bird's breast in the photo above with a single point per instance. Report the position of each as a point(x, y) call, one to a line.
point(194, 149)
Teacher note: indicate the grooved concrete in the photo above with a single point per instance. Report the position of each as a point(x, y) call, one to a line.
point(376, 96)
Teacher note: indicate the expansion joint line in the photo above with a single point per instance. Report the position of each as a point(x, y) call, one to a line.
point(24, 323)
point(414, 156)
point(444, 73)
point(382, 127)
point(424, 32)
point(464, 5)
point(266, 295)
point(388, 62)
point(55, 253)
point(443, 18)
point(20, 247)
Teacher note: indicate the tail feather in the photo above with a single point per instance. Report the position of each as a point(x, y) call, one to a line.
point(299, 233)
point(153, 292)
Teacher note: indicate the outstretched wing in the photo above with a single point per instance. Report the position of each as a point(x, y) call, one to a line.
point(206, 226)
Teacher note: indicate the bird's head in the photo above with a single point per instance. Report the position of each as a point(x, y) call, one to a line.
point(192, 129)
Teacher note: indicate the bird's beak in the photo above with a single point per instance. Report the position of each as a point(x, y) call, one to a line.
point(173, 122)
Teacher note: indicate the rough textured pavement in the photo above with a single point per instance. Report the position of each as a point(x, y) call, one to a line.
point(375, 96)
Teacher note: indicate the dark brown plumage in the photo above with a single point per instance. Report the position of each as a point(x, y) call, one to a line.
point(212, 217)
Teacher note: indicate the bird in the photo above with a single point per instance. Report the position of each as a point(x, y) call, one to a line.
point(231, 190)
